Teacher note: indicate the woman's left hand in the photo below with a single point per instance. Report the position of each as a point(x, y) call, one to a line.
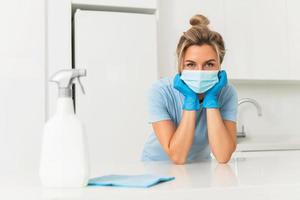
point(211, 95)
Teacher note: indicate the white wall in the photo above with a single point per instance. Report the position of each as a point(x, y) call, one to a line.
point(174, 16)
point(280, 108)
point(22, 64)
point(280, 101)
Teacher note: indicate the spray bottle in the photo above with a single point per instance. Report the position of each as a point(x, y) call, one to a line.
point(64, 157)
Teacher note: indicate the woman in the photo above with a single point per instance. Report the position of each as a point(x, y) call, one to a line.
point(194, 112)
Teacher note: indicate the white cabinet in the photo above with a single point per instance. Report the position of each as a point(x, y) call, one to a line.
point(118, 49)
point(238, 36)
point(293, 7)
point(214, 11)
point(262, 37)
point(256, 39)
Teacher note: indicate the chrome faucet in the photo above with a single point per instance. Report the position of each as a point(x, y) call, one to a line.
point(259, 113)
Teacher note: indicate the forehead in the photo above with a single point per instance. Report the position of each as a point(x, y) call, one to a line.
point(200, 53)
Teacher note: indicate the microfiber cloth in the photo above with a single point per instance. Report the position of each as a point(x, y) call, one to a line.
point(141, 181)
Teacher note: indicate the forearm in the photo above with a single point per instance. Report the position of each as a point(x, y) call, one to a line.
point(220, 140)
point(182, 139)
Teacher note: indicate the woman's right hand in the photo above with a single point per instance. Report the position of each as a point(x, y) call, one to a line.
point(191, 101)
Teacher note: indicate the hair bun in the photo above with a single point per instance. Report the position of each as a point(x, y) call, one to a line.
point(199, 20)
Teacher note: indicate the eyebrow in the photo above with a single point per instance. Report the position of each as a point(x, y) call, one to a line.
point(204, 62)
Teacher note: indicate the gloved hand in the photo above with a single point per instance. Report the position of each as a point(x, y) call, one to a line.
point(211, 95)
point(191, 100)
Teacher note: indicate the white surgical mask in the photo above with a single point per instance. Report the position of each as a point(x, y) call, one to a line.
point(200, 80)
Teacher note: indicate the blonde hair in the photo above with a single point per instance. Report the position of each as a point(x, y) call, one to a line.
point(199, 34)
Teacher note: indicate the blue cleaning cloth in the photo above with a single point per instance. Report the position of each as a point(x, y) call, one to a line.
point(141, 181)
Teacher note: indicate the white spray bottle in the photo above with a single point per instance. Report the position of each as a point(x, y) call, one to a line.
point(64, 157)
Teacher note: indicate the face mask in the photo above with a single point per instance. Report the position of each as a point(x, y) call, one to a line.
point(200, 80)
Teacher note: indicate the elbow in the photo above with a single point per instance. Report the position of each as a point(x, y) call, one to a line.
point(177, 160)
point(224, 158)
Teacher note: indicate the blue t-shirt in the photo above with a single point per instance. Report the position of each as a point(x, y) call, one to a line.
point(165, 103)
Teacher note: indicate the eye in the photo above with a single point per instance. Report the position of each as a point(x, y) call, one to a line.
point(210, 65)
point(190, 65)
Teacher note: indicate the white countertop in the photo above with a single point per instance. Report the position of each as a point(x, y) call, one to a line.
point(272, 175)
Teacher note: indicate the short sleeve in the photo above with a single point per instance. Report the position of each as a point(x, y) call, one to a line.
point(157, 104)
point(229, 103)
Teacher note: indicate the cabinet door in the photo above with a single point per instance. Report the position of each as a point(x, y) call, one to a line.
point(119, 52)
point(238, 38)
point(293, 8)
point(256, 39)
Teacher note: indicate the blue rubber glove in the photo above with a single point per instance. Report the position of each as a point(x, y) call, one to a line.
point(211, 95)
point(191, 100)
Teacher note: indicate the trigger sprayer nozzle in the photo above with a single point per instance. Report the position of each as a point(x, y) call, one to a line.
point(64, 79)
